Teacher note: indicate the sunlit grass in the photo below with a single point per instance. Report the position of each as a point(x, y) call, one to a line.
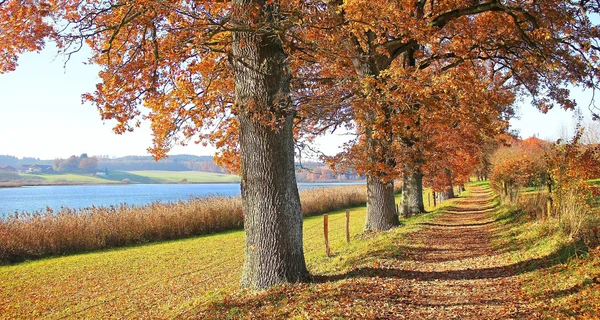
point(115, 176)
point(560, 272)
point(167, 279)
point(67, 177)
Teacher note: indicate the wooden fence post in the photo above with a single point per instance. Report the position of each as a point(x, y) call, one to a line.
point(348, 226)
point(429, 200)
point(326, 233)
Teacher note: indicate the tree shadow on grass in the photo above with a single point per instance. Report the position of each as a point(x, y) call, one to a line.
point(574, 289)
point(561, 255)
point(457, 225)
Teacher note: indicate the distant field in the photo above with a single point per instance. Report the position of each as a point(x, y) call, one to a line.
point(191, 176)
point(66, 178)
point(147, 176)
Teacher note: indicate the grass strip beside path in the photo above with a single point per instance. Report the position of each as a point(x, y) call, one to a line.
point(164, 280)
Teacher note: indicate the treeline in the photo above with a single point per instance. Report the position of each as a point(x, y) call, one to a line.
point(12, 161)
point(319, 172)
point(75, 164)
point(308, 172)
point(173, 163)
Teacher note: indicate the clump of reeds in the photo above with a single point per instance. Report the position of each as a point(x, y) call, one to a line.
point(46, 233)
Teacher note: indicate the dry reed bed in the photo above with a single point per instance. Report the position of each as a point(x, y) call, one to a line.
point(46, 233)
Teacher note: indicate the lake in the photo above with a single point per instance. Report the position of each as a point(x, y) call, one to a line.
point(29, 199)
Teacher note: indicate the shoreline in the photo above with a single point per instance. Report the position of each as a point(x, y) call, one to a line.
point(67, 183)
point(50, 184)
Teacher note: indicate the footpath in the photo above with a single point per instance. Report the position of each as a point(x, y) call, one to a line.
point(446, 270)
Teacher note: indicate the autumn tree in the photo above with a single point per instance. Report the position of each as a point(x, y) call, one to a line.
point(538, 48)
point(570, 164)
point(88, 164)
point(519, 165)
point(209, 71)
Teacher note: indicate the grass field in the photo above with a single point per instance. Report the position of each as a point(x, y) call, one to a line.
point(191, 176)
point(148, 176)
point(168, 279)
point(564, 274)
point(66, 177)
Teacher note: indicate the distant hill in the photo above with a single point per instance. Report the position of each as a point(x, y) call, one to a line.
point(182, 162)
point(308, 172)
point(6, 160)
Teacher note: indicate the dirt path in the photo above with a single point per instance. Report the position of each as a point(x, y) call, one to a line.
point(457, 272)
point(447, 270)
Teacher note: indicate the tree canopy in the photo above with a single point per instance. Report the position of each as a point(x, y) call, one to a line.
point(250, 76)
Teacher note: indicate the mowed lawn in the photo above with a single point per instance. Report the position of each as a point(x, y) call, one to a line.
point(191, 176)
point(164, 280)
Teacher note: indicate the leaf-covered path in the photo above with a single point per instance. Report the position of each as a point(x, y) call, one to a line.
point(446, 270)
point(450, 270)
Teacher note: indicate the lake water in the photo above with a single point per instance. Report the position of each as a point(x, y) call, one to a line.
point(29, 199)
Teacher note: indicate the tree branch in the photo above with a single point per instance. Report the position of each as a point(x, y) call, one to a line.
point(443, 19)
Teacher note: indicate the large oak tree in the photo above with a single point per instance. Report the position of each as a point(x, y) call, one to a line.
point(213, 71)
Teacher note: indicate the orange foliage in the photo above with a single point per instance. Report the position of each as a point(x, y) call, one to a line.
point(519, 165)
point(351, 64)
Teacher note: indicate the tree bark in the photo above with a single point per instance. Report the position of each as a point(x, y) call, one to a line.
point(412, 192)
point(449, 186)
point(381, 205)
point(549, 201)
point(272, 215)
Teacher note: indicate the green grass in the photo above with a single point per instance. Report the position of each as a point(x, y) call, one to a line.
point(121, 175)
point(166, 279)
point(66, 178)
point(557, 271)
point(191, 176)
point(148, 176)
point(485, 183)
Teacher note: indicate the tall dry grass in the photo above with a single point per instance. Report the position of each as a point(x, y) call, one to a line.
point(47, 233)
point(574, 212)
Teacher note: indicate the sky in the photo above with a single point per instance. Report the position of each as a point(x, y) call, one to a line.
point(41, 115)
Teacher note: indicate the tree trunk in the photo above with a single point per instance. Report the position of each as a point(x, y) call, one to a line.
point(271, 203)
point(434, 199)
point(381, 205)
point(412, 192)
point(549, 201)
point(449, 186)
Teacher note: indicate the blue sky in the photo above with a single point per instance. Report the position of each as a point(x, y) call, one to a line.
point(41, 114)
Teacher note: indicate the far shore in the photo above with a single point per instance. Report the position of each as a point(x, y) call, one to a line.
point(19, 184)
point(74, 183)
